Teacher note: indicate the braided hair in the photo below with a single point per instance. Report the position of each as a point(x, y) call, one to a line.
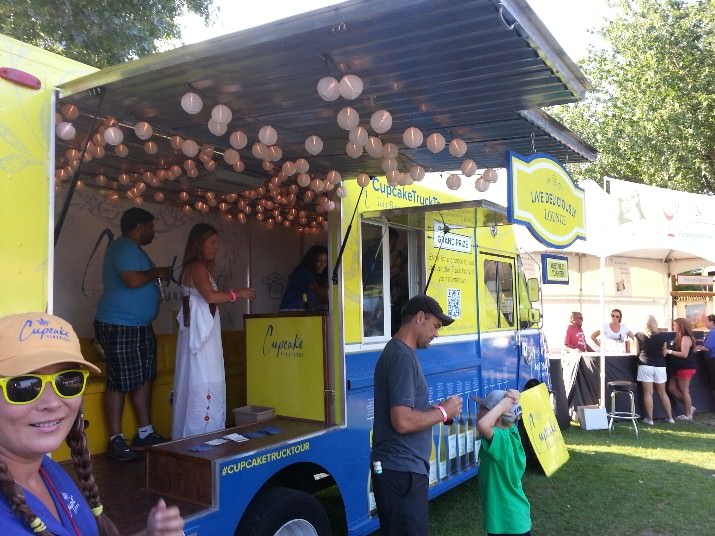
point(77, 442)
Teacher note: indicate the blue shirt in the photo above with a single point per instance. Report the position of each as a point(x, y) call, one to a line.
point(121, 305)
point(709, 343)
point(69, 502)
point(299, 284)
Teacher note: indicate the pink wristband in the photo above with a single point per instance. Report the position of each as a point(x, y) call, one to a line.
point(233, 296)
point(445, 417)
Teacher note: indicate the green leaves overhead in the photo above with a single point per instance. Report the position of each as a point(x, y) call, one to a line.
point(652, 112)
point(100, 32)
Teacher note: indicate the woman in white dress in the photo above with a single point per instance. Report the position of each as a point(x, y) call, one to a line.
point(199, 398)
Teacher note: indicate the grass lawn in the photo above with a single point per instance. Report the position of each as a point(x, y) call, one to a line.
point(661, 483)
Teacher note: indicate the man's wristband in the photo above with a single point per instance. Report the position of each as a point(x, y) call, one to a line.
point(445, 417)
point(233, 295)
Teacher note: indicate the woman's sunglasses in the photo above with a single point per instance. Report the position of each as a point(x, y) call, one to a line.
point(28, 388)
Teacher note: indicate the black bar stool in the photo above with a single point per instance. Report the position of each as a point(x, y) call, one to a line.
point(627, 388)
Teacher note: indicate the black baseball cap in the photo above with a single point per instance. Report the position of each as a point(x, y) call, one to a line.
point(426, 304)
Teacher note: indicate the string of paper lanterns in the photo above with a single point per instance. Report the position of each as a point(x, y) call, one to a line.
point(267, 150)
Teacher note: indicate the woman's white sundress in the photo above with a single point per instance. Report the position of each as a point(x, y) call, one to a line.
point(199, 401)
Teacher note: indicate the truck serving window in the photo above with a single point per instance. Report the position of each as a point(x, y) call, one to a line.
point(387, 283)
point(499, 298)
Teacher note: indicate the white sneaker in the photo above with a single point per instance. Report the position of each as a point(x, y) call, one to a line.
point(670, 421)
point(647, 421)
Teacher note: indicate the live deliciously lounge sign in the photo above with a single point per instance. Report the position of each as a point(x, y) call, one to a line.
point(544, 198)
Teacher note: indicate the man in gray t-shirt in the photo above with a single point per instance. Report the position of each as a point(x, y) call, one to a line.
point(401, 441)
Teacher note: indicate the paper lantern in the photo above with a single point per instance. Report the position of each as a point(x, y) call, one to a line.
point(412, 137)
point(454, 182)
point(417, 173)
point(239, 166)
point(393, 177)
point(381, 121)
point(275, 153)
point(457, 148)
point(238, 139)
point(70, 111)
point(389, 150)
point(143, 130)
point(490, 175)
point(221, 114)
point(374, 147)
point(65, 130)
point(175, 142)
point(348, 118)
point(313, 144)
point(388, 164)
point(341, 192)
point(350, 87)
point(268, 135)
point(231, 156)
point(190, 148)
point(259, 151)
point(151, 147)
point(363, 179)
point(469, 167)
point(121, 150)
point(288, 168)
point(303, 180)
point(435, 142)
point(216, 128)
point(113, 136)
point(328, 88)
point(333, 176)
point(317, 185)
point(353, 150)
point(358, 135)
point(191, 103)
point(481, 185)
point(302, 165)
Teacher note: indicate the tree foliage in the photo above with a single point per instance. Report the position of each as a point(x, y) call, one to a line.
point(652, 112)
point(98, 32)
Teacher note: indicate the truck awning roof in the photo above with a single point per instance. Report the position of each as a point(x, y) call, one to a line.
point(479, 70)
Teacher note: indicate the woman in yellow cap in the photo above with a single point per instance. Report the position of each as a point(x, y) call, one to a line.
point(42, 377)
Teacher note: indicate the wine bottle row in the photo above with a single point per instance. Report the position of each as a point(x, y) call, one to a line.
point(455, 448)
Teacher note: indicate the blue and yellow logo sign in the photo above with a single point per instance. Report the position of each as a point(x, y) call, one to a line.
point(543, 196)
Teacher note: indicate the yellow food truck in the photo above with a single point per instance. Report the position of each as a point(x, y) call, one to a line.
point(182, 133)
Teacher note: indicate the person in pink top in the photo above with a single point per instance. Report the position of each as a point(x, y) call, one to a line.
point(575, 338)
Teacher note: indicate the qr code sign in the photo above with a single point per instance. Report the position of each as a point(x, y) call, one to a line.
point(454, 302)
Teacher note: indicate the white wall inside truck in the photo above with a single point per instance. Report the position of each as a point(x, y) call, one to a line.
point(249, 254)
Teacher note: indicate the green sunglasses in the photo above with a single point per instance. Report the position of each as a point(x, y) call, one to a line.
point(28, 388)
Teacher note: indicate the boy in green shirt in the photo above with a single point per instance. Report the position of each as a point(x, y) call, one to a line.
point(502, 464)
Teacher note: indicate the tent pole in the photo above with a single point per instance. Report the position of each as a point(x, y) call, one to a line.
point(602, 346)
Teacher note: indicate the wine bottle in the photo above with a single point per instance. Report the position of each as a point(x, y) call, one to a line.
point(442, 453)
point(469, 434)
point(371, 503)
point(452, 448)
point(433, 464)
point(462, 441)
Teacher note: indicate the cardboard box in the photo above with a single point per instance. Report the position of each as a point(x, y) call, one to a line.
point(252, 414)
point(592, 417)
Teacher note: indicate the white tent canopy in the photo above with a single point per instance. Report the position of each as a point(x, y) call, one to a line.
point(630, 224)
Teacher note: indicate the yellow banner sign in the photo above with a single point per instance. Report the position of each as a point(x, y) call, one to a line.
point(544, 198)
point(543, 429)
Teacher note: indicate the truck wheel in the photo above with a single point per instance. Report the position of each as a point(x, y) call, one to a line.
point(285, 512)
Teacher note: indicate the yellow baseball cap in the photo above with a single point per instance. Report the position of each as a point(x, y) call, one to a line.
point(31, 341)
